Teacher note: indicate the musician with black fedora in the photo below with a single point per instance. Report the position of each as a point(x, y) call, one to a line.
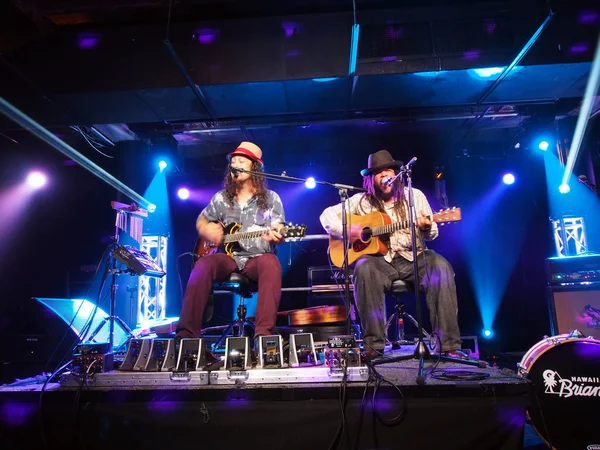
point(374, 273)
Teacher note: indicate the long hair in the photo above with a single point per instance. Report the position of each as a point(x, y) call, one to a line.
point(259, 184)
point(373, 196)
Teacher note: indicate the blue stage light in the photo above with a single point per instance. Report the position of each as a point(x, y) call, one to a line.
point(488, 334)
point(508, 178)
point(564, 188)
point(543, 145)
point(162, 165)
point(310, 183)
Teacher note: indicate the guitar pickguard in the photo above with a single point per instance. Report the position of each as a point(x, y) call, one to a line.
point(359, 246)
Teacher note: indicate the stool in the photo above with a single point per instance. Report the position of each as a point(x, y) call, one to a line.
point(398, 288)
point(243, 287)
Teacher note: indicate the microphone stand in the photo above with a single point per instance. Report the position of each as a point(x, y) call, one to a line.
point(421, 352)
point(343, 193)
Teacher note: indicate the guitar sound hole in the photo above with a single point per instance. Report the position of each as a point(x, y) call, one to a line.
point(359, 246)
point(366, 234)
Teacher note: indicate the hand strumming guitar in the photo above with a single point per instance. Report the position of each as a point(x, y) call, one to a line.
point(213, 232)
point(354, 232)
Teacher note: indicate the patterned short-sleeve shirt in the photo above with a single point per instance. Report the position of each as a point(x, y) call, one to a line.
point(250, 217)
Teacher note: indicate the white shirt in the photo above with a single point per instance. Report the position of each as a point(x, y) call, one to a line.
point(400, 241)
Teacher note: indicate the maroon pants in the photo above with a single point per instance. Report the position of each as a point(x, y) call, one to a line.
point(264, 269)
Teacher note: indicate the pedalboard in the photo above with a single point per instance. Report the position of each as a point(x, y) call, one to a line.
point(341, 358)
point(270, 352)
point(92, 358)
point(302, 350)
point(238, 353)
point(343, 341)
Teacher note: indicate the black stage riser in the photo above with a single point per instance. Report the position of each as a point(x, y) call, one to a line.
point(168, 422)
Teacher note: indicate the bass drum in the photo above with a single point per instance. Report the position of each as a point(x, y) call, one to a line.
point(564, 371)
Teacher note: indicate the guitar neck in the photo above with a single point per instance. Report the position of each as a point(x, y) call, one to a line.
point(391, 227)
point(247, 235)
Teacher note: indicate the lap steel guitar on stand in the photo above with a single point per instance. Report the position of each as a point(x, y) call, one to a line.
point(376, 228)
point(232, 236)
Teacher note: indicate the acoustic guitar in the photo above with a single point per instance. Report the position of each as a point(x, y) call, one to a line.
point(232, 236)
point(376, 228)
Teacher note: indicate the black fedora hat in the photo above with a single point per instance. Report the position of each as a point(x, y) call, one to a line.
point(378, 161)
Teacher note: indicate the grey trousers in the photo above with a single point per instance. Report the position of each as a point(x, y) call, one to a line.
point(373, 276)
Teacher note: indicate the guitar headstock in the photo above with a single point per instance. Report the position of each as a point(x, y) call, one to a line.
point(447, 215)
point(293, 232)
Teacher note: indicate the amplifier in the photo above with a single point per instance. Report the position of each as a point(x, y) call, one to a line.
point(574, 270)
point(327, 279)
point(574, 294)
point(575, 309)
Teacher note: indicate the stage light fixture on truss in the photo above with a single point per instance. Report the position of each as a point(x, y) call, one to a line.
point(152, 291)
point(164, 151)
point(569, 236)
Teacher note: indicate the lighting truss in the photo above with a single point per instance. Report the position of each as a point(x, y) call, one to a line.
point(152, 291)
point(569, 235)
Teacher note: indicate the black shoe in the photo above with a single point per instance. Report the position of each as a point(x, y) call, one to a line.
point(373, 353)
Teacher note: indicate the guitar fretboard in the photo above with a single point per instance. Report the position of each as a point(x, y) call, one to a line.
point(390, 228)
point(248, 235)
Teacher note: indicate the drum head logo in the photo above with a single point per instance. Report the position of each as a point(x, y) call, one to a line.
point(573, 387)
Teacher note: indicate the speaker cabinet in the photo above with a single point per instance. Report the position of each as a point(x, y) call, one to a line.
point(575, 308)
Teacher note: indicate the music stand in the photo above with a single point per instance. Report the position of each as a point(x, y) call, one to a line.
point(135, 230)
point(343, 193)
point(421, 351)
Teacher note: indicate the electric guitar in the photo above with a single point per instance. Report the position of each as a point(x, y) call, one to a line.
point(232, 236)
point(375, 226)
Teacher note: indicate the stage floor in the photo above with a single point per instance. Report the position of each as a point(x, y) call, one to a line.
point(439, 375)
point(485, 411)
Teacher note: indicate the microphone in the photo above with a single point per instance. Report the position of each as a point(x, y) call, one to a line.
point(388, 181)
point(410, 163)
point(234, 172)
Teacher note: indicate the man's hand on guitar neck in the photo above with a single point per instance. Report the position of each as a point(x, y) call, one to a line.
point(273, 236)
point(424, 222)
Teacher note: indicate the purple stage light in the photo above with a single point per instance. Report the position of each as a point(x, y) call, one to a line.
point(588, 17)
point(580, 47)
point(183, 193)
point(88, 41)
point(206, 35)
point(471, 54)
point(36, 180)
point(290, 28)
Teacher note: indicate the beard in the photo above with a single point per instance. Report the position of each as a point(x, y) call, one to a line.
point(384, 196)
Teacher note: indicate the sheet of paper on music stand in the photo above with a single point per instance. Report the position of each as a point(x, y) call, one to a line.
point(67, 309)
